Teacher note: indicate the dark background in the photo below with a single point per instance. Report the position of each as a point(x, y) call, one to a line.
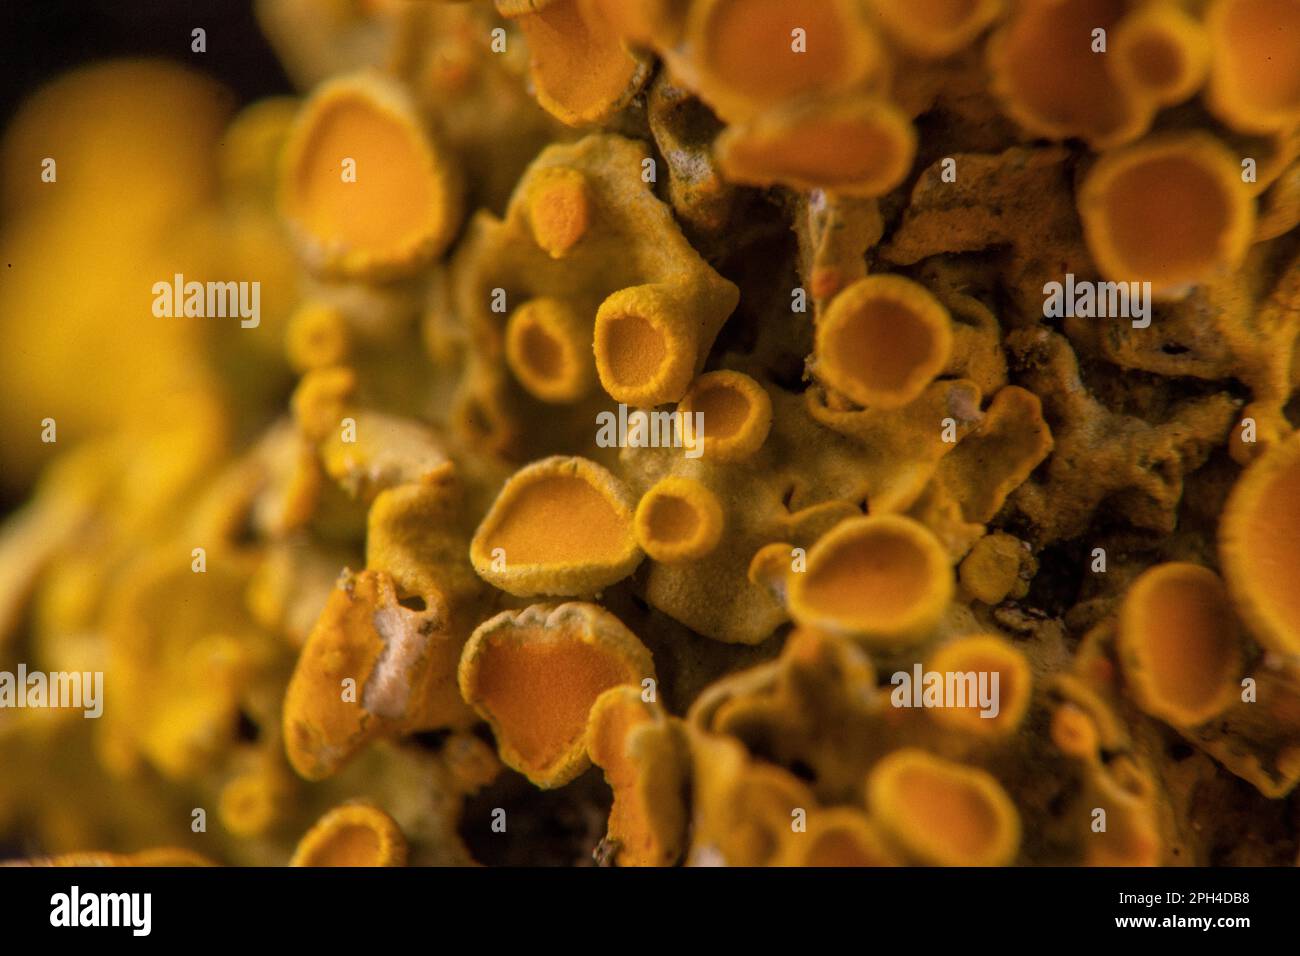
point(41, 38)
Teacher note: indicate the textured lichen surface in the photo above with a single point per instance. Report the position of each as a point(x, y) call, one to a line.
point(671, 432)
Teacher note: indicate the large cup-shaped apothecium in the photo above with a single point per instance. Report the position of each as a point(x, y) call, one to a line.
point(1180, 645)
point(534, 675)
point(942, 813)
point(884, 579)
point(368, 191)
point(1044, 70)
point(1255, 64)
point(1259, 546)
point(984, 655)
point(559, 526)
point(882, 341)
point(1171, 210)
point(855, 147)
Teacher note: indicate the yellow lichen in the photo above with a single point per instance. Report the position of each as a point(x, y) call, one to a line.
point(559, 526)
point(985, 654)
point(991, 571)
point(1162, 52)
point(162, 856)
point(943, 813)
point(1259, 543)
point(871, 378)
point(644, 756)
point(1179, 644)
point(856, 148)
point(548, 352)
point(745, 55)
point(1053, 82)
point(582, 70)
point(354, 834)
point(369, 193)
point(371, 667)
point(937, 28)
point(678, 520)
point(534, 675)
point(884, 579)
point(882, 341)
point(842, 837)
point(736, 410)
point(1254, 83)
point(1170, 211)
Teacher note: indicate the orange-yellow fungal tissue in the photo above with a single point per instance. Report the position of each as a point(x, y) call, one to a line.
point(354, 834)
point(678, 519)
point(561, 526)
point(558, 209)
point(1106, 457)
point(250, 149)
point(737, 414)
point(985, 654)
point(1279, 206)
point(158, 856)
point(1133, 834)
point(742, 808)
point(1179, 644)
point(582, 70)
point(898, 451)
point(320, 400)
point(885, 579)
point(996, 457)
point(608, 276)
point(1161, 52)
point(650, 344)
point(882, 341)
point(646, 762)
point(548, 349)
point(252, 803)
point(1171, 210)
point(1259, 545)
point(534, 675)
point(730, 323)
point(943, 813)
point(317, 337)
point(937, 28)
point(685, 134)
point(993, 569)
point(367, 452)
point(157, 125)
point(842, 837)
point(745, 55)
point(855, 148)
point(418, 533)
point(834, 234)
point(368, 192)
point(190, 638)
point(1111, 773)
point(1074, 732)
point(1255, 65)
point(1052, 82)
point(1256, 736)
point(371, 667)
point(649, 23)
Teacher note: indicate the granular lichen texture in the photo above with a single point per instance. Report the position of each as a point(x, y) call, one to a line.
point(776, 432)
